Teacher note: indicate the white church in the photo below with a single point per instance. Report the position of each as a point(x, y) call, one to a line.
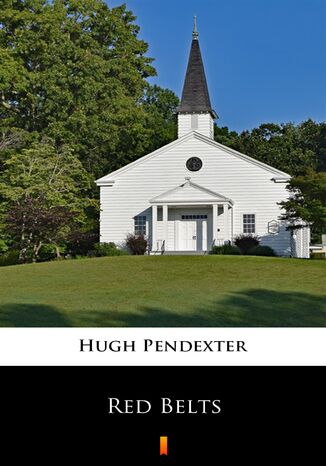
point(195, 193)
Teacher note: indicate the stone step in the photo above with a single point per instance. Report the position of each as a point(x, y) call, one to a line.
point(185, 253)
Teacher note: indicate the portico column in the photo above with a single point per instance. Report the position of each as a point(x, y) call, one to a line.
point(226, 222)
point(165, 225)
point(214, 223)
point(154, 221)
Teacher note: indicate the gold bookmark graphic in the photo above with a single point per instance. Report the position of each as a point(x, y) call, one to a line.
point(163, 446)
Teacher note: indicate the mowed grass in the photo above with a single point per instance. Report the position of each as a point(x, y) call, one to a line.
point(165, 291)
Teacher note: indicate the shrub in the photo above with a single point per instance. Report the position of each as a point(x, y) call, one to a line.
point(136, 244)
point(227, 249)
point(3, 246)
point(10, 258)
point(318, 255)
point(246, 242)
point(47, 252)
point(81, 242)
point(262, 251)
point(106, 249)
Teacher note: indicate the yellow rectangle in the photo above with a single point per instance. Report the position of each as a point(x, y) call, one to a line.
point(163, 445)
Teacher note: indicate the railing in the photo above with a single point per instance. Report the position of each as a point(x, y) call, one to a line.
point(160, 248)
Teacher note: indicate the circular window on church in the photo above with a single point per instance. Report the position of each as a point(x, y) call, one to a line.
point(194, 164)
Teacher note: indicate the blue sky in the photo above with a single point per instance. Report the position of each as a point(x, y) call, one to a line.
point(265, 60)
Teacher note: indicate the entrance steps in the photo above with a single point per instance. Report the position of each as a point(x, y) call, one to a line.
point(185, 253)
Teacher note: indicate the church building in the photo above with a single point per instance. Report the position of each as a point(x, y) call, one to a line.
point(195, 193)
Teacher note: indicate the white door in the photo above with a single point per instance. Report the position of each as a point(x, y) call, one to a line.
point(188, 235)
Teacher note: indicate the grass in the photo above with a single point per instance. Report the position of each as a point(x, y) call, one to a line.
point(165, 291)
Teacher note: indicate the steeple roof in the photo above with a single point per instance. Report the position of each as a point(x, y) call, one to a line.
point(195, 96)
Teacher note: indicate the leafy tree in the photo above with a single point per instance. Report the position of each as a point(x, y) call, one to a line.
point(281, 146)
point(313, 137)
point(226, 137)
point(45, 172)
point(37, 183)
point(288, 147)
point(75, 70)
point(160, 106)
point(307, 202)
point(31, 223)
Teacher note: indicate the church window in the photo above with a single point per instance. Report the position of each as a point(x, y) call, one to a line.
point(159, 214)
point(194, 164)
point(140, 225)
point(194, 217)
point(249, 223)
point(194, 121)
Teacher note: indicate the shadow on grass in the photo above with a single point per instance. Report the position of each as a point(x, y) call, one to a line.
point(31, 315)
point(249, 308)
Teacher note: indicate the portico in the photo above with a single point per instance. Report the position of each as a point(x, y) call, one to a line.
point(190, 218)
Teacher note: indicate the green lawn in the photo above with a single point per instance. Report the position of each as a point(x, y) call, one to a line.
point(165, 291)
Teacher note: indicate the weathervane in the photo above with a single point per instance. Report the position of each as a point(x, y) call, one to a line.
point(195, 32)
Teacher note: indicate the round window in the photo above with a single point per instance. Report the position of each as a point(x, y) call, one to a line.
point(194, 164)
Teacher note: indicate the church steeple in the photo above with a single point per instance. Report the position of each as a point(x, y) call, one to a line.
point(195, 106)
point(195, 32)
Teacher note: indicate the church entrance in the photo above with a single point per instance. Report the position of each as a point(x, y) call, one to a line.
point(192, 233)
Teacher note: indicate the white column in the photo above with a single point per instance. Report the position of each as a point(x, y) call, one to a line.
point(154, 221)
point(165, 225)
point(226, 222)
point(214, 222)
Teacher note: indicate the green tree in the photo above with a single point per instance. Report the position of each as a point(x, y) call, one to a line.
point(160, 106)
point(307, 202)
point(226, 137)
point(75, 70)
point(51, 177)
point(31, 224)
point(43, 171)
point(281, 146)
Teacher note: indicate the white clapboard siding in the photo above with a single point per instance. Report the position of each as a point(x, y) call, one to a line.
point(247, 183)
point(203, 123)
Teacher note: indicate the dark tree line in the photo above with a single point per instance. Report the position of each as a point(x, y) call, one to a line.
point(299, 150)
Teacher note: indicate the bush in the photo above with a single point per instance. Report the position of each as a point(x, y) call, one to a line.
point(106, 249)
point(48, 252)
point(80, 243)
point(3, 246)
point(10, 258)
point(227, 249)
point(136, 244)
point(262, 251)
point(318, 255)
point(246, 242)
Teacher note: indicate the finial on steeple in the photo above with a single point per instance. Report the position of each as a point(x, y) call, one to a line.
point(195, 32)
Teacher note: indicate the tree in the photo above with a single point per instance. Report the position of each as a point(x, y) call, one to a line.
point(226, 137)
point(46, 172)
point(31, 223)
point(281, 146)
point(160, 106)
point(307, 202)
point(37, 183)
point(75, 71)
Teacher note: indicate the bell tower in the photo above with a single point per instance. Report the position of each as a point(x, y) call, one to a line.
point(195, 112)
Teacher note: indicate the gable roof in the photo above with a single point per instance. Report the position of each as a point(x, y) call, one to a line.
point(189, 192)
point(109, 179)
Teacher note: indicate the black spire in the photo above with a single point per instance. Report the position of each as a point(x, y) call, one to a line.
point(195, 97)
